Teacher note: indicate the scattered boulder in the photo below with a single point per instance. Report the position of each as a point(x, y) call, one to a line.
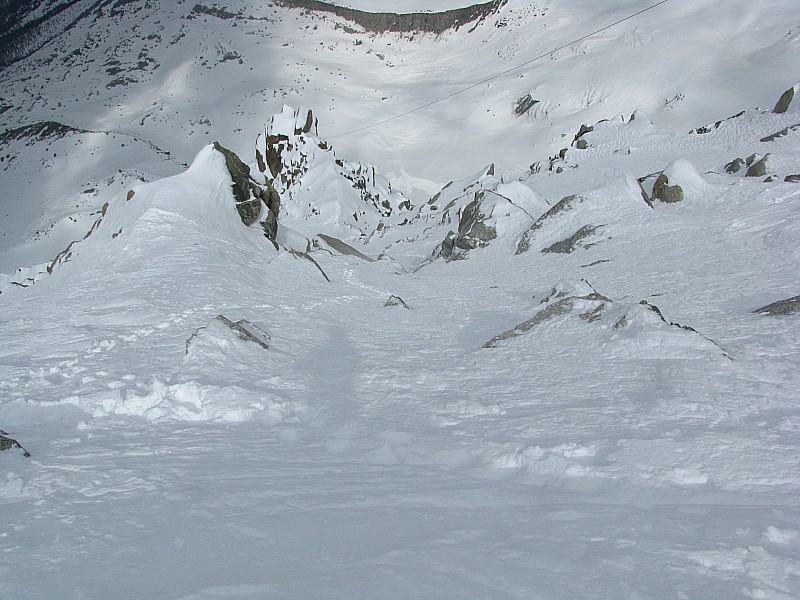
point(570, 244)
point(734, 166)
point(565, 204)
point(677, 180)
point(782, 133)
point(667, 193)
point(782, 307)
point(757, 168)
point(786, 99)
point(6, 443)
point(396, 301)
point(244, 330)
point(578, 141)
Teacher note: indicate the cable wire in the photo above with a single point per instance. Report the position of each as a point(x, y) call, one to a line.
point(495, 76)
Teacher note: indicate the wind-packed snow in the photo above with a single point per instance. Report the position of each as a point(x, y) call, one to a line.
point(535, 381)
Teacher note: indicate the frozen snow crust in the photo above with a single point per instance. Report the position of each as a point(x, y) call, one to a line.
point(574, 398)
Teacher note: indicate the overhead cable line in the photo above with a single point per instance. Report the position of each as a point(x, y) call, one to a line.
point(496, 75)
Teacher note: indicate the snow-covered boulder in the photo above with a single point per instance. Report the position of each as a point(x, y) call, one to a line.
point(677, 181)
point(575, 313)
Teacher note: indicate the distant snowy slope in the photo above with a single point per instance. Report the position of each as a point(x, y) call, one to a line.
point(180, 75)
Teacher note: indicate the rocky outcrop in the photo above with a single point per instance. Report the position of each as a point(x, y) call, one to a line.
point(396, 301)
point(473, 230)
point(678, 181)
point(347, 200)
point(565, 204)
point(6, 443)
point(246, 194)
point(782, 133)
point(579, 142)
point(43, 130)
point(573, 242)
point(785, 100)
point(251, 198)
point(243, 329)
point(524, 104)
point(581, 302)
point(665, 192)
point(734, 166)
point(756, 168)
point(789, 306)
point(559, 303)
point(378, 22)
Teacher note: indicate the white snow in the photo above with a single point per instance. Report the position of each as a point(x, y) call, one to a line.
point(604, 418)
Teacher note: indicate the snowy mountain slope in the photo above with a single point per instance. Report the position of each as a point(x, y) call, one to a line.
point(180, 75)
point(609, 420)
point(540, 380)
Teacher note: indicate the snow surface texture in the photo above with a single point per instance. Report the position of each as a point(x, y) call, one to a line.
point(534, 384)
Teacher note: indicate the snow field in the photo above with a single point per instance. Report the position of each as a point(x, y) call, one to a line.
point(603, 448)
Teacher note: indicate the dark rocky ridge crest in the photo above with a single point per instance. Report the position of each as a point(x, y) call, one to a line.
point(433, 22)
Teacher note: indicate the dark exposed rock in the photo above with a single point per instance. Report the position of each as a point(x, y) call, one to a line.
point(561, 307)
point(240, 173)
point(275, 145)
point(789, 306)
point(782, 133)
point(245, 331)
point(658, 312)
point(568, 245)
point(734, 166)
point(6, 443)
point(576, 141)
point(709, 128)
point(784, 101)
point(308, 124)
point(792, 178)
point(43, 130)
point(245, 192)
point(262, 166)
point(473, 231)
point(402, 22)
point(758, 168)
point(565, 204)
point(272, 199)
point(524, 104)
point(666, 193)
